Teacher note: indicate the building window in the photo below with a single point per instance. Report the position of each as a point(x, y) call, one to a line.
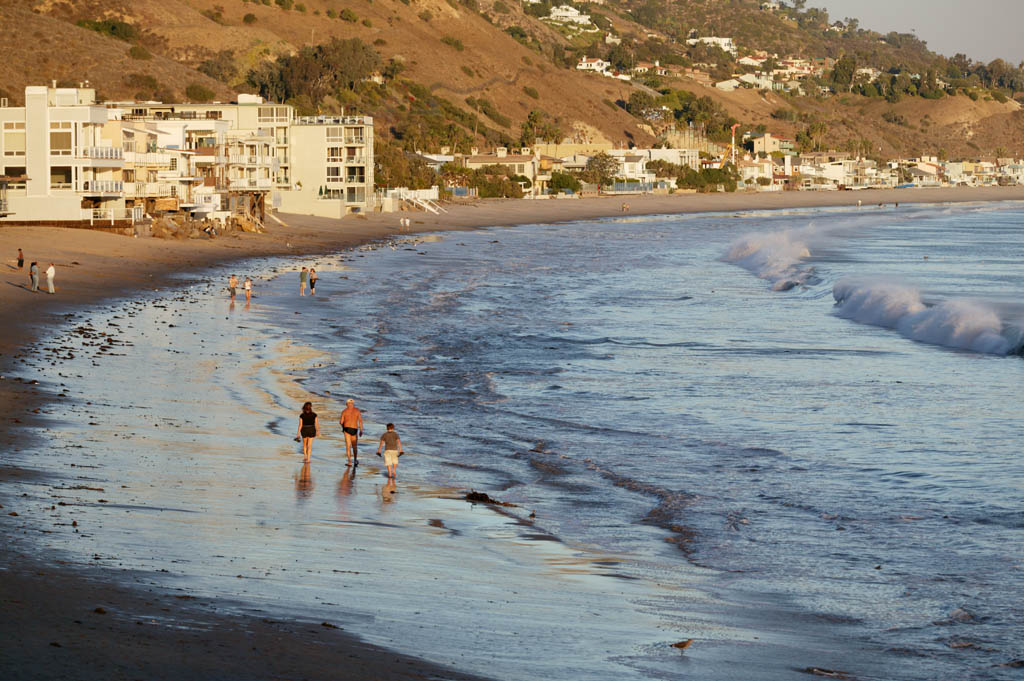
point(174, 162)
point(60, 138)
point(333, 174)
point(335, 134)
point(15, 171)
point(60, 177)
point(335, 154)
point(14, 139)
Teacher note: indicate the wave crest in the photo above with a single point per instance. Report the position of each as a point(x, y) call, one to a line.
point(962, 323)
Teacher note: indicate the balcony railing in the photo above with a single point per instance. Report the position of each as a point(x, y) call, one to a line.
point(356, 179)
point(251, 183)
point(243, 159)
point(140, 190)
point(142, 158)
point(355, 140)
point(105, 153)
point(103, 186)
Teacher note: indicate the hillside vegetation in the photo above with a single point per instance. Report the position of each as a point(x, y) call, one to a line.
point(479, 73)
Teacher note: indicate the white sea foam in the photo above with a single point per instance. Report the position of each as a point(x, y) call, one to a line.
point(774, 256)
point(957, 323)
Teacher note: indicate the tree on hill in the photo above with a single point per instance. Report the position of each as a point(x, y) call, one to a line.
point(843, 73)
point(315, 71)
point(539, 126)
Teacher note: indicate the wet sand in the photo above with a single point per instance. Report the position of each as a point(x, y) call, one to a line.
point(50, 626)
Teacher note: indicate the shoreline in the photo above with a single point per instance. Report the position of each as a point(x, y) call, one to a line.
point(41, 599)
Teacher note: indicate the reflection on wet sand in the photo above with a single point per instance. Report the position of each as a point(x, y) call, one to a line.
point(388, 491)
point(304, 482)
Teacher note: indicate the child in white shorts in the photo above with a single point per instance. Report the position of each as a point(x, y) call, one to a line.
point(392, 446)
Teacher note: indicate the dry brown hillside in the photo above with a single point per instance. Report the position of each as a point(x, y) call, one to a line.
point(180, 34)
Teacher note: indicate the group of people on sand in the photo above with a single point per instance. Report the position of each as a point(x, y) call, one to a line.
point(233, 288)
point(33, 274)
point(307, 276)
point(351, 422)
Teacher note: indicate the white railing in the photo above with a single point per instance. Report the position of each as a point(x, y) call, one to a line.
point(107, 153)
point(355, 160)
point(103, 186)
point(106, 214)
point(242, 159)
point(431, 194)
point(355, 140)
point(144, 189)
point(355, 179)
point(251, 183)
point(143, 158)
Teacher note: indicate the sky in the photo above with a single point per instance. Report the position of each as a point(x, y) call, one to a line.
point(981, 29)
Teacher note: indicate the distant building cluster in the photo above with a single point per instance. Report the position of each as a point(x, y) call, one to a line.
point(65, 157)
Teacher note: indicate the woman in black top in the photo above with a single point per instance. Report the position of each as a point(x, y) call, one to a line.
point(309, 428)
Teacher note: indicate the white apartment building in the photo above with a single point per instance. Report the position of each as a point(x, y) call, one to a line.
point(332, 166)
point(73, 159)
point(55, 141)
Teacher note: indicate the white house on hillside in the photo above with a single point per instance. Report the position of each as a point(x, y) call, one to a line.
point(724, 43)
point(596, 64)
point(564, 14)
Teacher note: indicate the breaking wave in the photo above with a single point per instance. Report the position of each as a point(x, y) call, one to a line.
point(776, 257)
point(963, 323)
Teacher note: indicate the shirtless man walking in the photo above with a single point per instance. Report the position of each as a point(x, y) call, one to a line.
point(352, 423)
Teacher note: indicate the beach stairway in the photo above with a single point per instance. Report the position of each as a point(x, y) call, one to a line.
point(425, 204)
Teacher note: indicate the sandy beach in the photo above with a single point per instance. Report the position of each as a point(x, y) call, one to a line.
point(87, 622)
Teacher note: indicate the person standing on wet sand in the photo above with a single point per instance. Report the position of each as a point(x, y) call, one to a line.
point(312, 281)
point(303, 278)
point(232, 286)
point(352, 423)
point(309, 428)
point(51, 272)
point(33, 277)
point(392, 446)
point(21, 260)
point(248, 289)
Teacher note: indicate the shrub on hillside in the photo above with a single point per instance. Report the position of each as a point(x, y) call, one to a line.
point(999, 97)
point(453, 42)
point(332, 13)
point(111, 27)
point(284, 4)
point(531, 92)
point(139, 52)
point(199, 93)
point(425, 15)
point(249, 18)
point(142, 82)
point(220, 66)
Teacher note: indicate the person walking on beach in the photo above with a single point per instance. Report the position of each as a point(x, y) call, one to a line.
point(309, 428)
point(232, 286)
point(312, 281)
point(51, 272)
point(392, 446)
point(303, 277)
point(21, 260)
point(248, 289)
point(33, 277)
point(352, 424)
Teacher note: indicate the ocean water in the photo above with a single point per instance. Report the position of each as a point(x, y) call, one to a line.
point(793, 437)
